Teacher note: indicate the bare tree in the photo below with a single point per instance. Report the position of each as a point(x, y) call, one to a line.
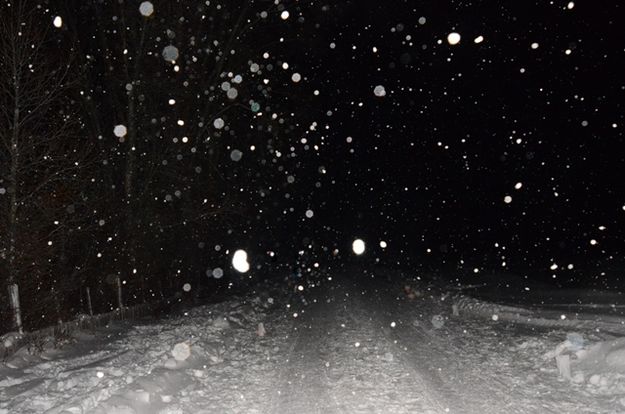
point(41, 155)
point(166, 175)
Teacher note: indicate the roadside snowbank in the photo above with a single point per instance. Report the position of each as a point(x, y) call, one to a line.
point(358, 344)
point(590, 352)
point(154, 368)
point(541, 317)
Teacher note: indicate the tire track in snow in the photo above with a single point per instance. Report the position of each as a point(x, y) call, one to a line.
point(433, 357)
point(338, 362)
point(469, 361)
point(303, 383)
point(433, 392)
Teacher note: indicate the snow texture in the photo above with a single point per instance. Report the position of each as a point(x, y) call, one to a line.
point(360, 344)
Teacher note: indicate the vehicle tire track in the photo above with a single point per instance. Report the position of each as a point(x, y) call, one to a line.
point(339, 362)
point(303, 382)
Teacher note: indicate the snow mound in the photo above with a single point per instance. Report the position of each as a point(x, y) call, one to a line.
point(151, 369)
point(539, 317)
point(605, 356)
point(600, 368)
point(221, 323)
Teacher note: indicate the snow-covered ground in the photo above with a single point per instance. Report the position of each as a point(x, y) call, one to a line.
point(358, 343)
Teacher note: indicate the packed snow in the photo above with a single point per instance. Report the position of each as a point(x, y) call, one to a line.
point(362, 342)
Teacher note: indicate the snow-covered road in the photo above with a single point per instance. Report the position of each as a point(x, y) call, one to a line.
point(355, 344)
point(342, 359)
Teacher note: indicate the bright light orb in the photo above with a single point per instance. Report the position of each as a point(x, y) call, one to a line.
point(358, 246)
point(453, 38)
point(379, 91)
point(146, 9)
point(120, 131)
point(219, 123)
point(239, 261)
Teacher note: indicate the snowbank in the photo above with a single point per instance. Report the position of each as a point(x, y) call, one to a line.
point(152, 368)
point(540, 317)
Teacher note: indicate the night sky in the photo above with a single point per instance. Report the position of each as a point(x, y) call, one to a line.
point(184, 133)
point(537, 102)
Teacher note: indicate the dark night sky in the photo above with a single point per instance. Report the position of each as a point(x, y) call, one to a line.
point(497, 158)
point(431, 163)
point(537, 103)
point(534, 111)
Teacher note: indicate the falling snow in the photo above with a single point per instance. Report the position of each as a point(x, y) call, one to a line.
point(358, 246)
point(219, 123)
point(120, 131)
point(248, 164)
point(453, 38)
point(379, 91)
point(170, 53)
point(146, 8)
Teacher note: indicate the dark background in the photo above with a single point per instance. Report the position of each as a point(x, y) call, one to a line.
point(433, 160)
point(427, 168)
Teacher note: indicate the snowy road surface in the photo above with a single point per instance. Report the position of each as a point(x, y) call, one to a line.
point(355, 344)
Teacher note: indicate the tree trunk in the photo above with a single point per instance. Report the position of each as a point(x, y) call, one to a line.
point(13, 202)
point(131, 194)
point(118, 284)
point(57, 305)
point(89, 306)
point(14, 301)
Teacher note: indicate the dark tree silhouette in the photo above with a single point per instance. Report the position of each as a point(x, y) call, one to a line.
point(41, 153)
